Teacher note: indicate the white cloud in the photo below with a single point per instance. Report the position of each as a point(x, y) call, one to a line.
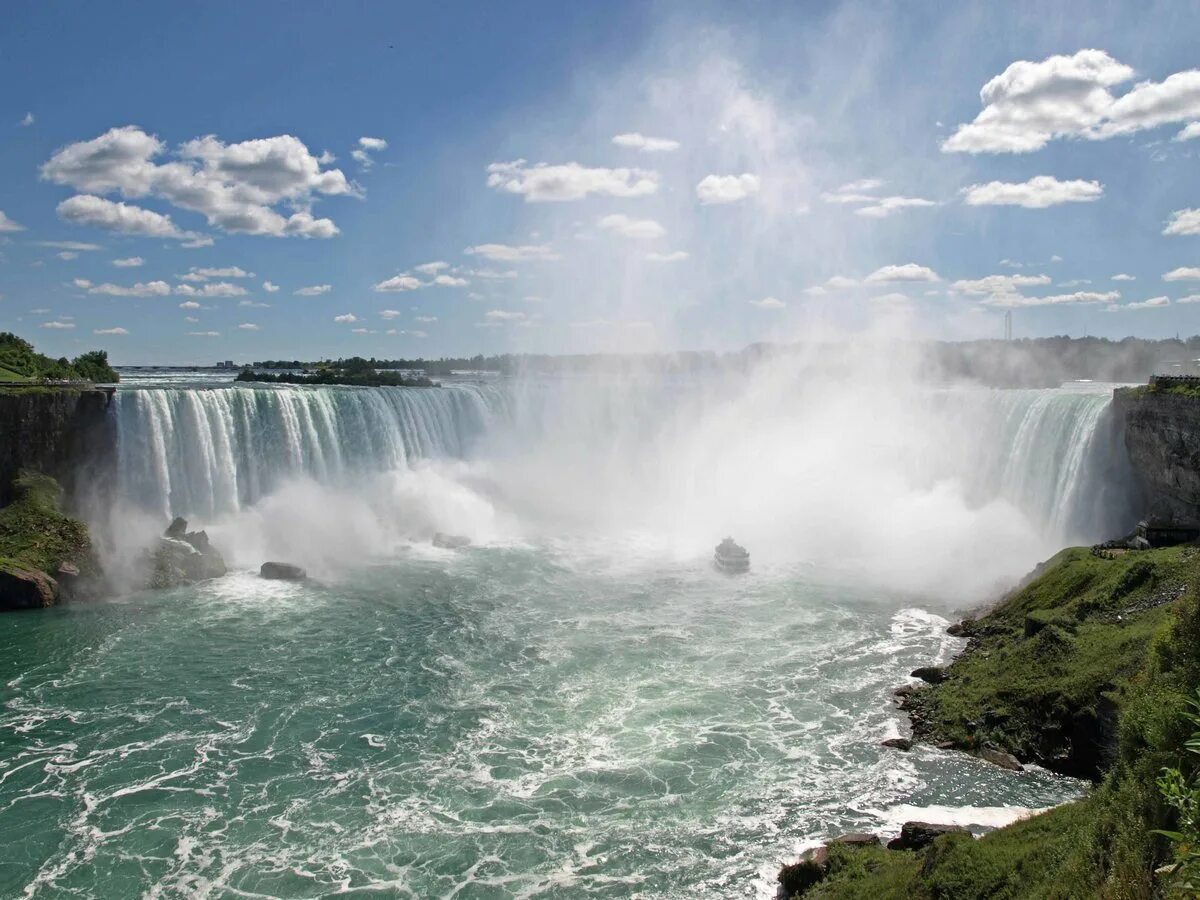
point(543, 183)
point(390, 313)
point(859, 187)
point(196, 273)
point(999, 284)
point(1074, 282)
point(1184, 273)
point(82, 283)
point(67, 254)
point(645, 144)
point(1189, 133)
point(372, 143)
point(57, 325)
point(212, 289)
point(888, 205)
point(503, 315)
point(1152, 303)
point(396, 283)
point(269, 287)
point(313, 290)
point(191, 319)
point(1184, 221)
point(449, 281)
point(906, 272)
point(1038, 192)
point(248, 326)
point(727, 188)
point(1013, 300)
point(346, 319)
point(493, 273)
point(507, 253)
point(189, 304)
point(431, 268)
point(234, 186)
point(367, 146)
point(425, 320)
point(7, 225)
point(639, 229)
point(26, 120)
point(129, 262)
point(1190, 298)
point(68, 245)
point(1031, 103)
point(97, 212)
point(204, 334)
point(254, 304)
point(673, 256)
point(768, 303)
point(113, 331)
point(1123, 277)
point(140, 289)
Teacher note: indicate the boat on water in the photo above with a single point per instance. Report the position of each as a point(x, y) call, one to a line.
point(731, 557)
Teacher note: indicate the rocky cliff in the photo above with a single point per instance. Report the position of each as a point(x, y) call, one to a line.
point(65, 433)
point(1162, 435)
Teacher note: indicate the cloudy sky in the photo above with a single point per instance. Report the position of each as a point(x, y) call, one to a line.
point(185, 184)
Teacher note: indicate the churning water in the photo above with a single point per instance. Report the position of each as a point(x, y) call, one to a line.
point(578, 705)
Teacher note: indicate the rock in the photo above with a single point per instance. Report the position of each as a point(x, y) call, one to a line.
point(857, 839)
point(281, 571)
point(812, 866)
point(916, 835)
point(905, 690)
point(898, 743)
point(450, 541)
point(22, 588)
point(959, 629)
point(177, 528)
point(199, 540)
point(1001, 759)
point(176, 561)
point(930, 674)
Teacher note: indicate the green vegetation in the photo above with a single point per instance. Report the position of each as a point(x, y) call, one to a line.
point(21, 364)
point(355, 371)
point(1109, 844)
point(36, 534)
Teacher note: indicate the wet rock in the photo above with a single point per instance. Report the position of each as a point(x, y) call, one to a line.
point(959, 629)
point(281, 571)
point(897, 743)
point(22, 588)
point(183, 560)
point(905, 690)
point(857, 839)
point(450, 541)
point(812, 866)
point(916, 835)
point(1001, 759)
point(930, 674)
point(177, 528)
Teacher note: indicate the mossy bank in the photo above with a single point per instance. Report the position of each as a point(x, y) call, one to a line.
point(1087, 668)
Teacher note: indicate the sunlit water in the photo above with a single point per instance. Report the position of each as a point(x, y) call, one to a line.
point(545, 714)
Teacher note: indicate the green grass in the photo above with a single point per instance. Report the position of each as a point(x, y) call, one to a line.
point(36, 534)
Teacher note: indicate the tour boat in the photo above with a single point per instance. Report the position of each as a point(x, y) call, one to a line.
point(731, 557)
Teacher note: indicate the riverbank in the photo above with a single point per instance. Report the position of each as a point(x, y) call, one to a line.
point(1087, 668)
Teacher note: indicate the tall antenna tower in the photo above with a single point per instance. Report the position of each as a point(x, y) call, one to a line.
point(1008, 325)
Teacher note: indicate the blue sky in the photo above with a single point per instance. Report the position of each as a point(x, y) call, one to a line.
point(187, 184)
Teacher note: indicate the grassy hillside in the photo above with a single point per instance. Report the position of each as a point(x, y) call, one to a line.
point(1125, 628)
point(20, 363)
point(36, 534)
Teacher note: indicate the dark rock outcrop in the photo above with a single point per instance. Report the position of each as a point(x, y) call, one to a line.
point(183, 557)
point(1162, 437)
point(1001, 759)
point(930, 674)
point(811, 868)
point(917, 835)
point(897, 743)
point(280, 571)
point(22, 588)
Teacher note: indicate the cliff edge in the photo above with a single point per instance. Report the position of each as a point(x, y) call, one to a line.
point(1162, 435)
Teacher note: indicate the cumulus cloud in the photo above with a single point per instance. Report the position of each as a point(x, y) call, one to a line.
point(1189, 133)
point(68, 245)
point(201, 273)
point(1183, 273)
point(129, 262)
point(57, 325)
point(727, 188)
point(269, 287)
point(390, 313)
point(1038, 192)
point(189, 304)
point(236, 187)
point(1079, 297)
point(1190, 298)
point(248, 326)
point(1030, 104)
point(192, 320)
point(425, 320)
point(503, 315)
point(885, 206)
point(398, 283)
point(639, 229)
point(906, 272)
point(7, 225)
point(1121, 276)
point(449, 281)
point(673, 256)
point(313, 290)
point(544, 183)
point(26, 120)
point(67, 254)
point(768, 303)
point(431, 268)
point(140, 289)
point(346, 318)
point(254, 305)
point(125, 218)
point(204, 334)
point(211, 289)
point(999, 284)
point(1184, 221)
point(367, 146)
point(113, 331)
point(645, 144)
point(508, 253)
point(1152, 303)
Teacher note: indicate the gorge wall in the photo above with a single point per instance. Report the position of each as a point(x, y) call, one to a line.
point(1162, 436)
point(66, 433)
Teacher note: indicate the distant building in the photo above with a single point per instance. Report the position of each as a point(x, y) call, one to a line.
point(227, 364)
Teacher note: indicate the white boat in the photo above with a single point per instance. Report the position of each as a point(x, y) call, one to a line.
point(731, 557)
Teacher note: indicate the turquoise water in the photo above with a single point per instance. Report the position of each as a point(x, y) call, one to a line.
point(529, 720)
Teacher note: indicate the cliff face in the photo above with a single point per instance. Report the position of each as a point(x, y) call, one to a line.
point(1162, 435)
point(66, 434)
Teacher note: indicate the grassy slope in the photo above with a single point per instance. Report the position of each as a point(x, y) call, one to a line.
point(35, 533)
point(1100, 846)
